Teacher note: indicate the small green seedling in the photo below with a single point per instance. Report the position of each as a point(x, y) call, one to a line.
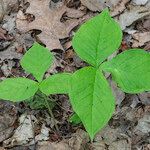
point(90, 94)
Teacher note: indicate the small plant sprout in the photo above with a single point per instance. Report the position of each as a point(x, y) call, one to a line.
point(90, 94)
point(36, 61)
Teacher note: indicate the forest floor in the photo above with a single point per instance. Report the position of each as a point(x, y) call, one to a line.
point(22, 127)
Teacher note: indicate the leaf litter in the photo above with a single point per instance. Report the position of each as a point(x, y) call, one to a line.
point(45, 21)
point(129, 127)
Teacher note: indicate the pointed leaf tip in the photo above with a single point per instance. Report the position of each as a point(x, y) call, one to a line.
point(92, 99)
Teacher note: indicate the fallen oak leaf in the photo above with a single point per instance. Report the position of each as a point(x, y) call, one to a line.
point(48, 20)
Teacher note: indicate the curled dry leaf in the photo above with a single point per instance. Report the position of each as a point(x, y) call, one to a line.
point(48, 20)
point(139, 39)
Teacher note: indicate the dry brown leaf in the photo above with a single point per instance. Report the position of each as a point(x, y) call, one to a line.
point(47, 19)
point(94, 5)
point(140, 2)
point(133, 14)
point(8, 118)
point(1, 10)
point(139, 39)
point(119, 7)
point(53, 146)
point(120, 145)
point(116, 6)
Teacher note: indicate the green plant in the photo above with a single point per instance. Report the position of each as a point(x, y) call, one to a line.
point(36, 61)
point(90, 94)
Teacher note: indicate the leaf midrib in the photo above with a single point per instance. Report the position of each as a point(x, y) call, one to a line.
point(97, 65)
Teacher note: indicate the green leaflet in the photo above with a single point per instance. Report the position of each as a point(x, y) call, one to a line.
point(131, 70)
point(91, 99)
point(97, 39)
point(74, 119)
point(17, 89)
point(37, 60)
point(56, 84)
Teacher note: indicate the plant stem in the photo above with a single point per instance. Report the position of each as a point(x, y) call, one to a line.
point(51, 113)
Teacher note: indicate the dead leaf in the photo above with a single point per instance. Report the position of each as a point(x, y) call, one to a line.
point(140, 2)
point(116, 6)
point(1, 10)
point(120, 145)
point(147, 46)
point(78, 140)
point(144, 124)
point(24, 133)
point(146, 24)
point(2, 34)
point(6, 6)
point(10, 53)
point(53, 146)
point(6, 67)
point(119, 7)
point(98, 146)
point(139, 39)
point(43, 136)
point(145, 98)
point(132, 15)
point(119, 95)
point(108, 135)
point(94, 5)
point(74, 13)
point(48, 20)
point(8, 117)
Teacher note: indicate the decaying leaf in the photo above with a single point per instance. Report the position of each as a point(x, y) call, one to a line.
point(120, 145)
point(140, 2)
point(10, 53)
point(24, 133)
point(6, 6)
point(53, 146)
point(8, 118)
point(119, 7)
point(48, 20)
point(94, 5)
point(133, 14)
point(144, 124)
point(116, 6)
point(140, 38)
point(120, 96)
point(77, 142)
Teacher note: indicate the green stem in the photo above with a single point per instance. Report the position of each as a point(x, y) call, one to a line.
point(50, 112)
